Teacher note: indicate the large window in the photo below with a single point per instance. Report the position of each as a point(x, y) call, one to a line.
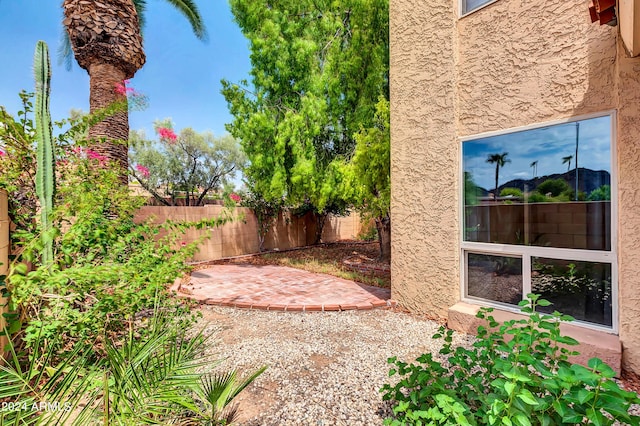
point(538, 218)
point(469, 6)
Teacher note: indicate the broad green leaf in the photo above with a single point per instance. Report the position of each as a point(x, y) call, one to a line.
point(526, 396)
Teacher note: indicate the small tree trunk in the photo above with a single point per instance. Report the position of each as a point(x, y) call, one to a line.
point(320, 221)
point(383, 226)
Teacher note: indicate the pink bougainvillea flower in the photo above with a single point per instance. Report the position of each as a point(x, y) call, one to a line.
point(122, 88)
point(167, 134)
point(142, 170)
point(92, 155)
point(235, 197)
point(2, 153)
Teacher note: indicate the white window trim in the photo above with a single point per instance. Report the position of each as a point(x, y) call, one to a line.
point(469, 12)
point(526, 252)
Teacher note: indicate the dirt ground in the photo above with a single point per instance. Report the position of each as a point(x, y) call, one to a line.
point(330, 258)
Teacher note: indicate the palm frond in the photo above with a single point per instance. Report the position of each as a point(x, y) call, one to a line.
point(141, 7)
point(65, 52)
point(190, 11)
point(219, 391)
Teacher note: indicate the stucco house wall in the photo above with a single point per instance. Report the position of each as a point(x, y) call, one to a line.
point(512, 63)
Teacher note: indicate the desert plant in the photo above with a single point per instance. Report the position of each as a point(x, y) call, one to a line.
point(161, 377)
point(45, 176)
point(515, 373)
point(216, 393)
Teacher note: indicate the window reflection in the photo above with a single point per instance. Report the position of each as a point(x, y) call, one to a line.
point(496, 278)
point(545, 187)
point(579, 289)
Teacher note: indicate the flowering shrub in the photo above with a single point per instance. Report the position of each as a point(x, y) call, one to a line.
point(235, 197)
point(135, 100)
point(122, 89)
point(144, 171)
point(106, 268)
point(167, 134)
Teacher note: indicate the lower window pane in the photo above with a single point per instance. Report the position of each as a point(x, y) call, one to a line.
point(579, 289)
point(497, 278)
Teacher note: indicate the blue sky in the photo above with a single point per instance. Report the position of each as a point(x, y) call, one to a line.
point(181, 77)
point(546, 145)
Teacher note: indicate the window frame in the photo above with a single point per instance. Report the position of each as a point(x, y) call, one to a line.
point(528, 252)
point(462, 4)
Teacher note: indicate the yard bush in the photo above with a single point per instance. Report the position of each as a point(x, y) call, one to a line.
point(511, 191)
point(516, 373)
point(554, 187)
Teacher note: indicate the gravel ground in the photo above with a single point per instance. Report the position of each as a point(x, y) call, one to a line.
point(323, 368)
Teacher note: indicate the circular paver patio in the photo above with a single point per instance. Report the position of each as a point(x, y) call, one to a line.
point(280, 288)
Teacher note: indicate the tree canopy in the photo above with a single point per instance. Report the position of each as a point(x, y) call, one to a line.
point(191, 162)
point(318, 69)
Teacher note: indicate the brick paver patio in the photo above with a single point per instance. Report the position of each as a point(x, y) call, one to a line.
point(280, 288)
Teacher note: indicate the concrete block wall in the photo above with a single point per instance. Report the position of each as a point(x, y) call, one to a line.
point(240, 235)
point(577, 225)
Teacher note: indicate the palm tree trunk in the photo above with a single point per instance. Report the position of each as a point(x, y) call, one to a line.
point(111, 135)
point(495, 195)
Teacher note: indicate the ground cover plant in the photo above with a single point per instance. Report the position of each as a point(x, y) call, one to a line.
point(516, 373)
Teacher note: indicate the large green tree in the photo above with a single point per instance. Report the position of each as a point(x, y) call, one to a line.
point(318, 68)
point(370, 176)
point(192, 163)
point(106, 40)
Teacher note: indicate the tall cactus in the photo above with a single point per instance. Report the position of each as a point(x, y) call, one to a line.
point(45, 176)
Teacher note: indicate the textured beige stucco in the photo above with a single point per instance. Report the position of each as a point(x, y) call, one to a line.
point(424, 156)
point(526, 62)
point(629, 207)
point(513, 63)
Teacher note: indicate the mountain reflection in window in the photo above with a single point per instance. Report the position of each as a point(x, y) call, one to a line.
point(549, 186)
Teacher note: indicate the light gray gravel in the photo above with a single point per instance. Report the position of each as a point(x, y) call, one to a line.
point(324, 368)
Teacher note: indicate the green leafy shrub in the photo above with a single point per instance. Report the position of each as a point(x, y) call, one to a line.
point(554, 187)
point(511, 191)
point(106, 266)
point(536, 197)
point(602, 193)
point(266, 211)
point(516, 373)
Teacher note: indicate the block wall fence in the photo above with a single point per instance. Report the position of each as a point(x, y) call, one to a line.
point(240, 236)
